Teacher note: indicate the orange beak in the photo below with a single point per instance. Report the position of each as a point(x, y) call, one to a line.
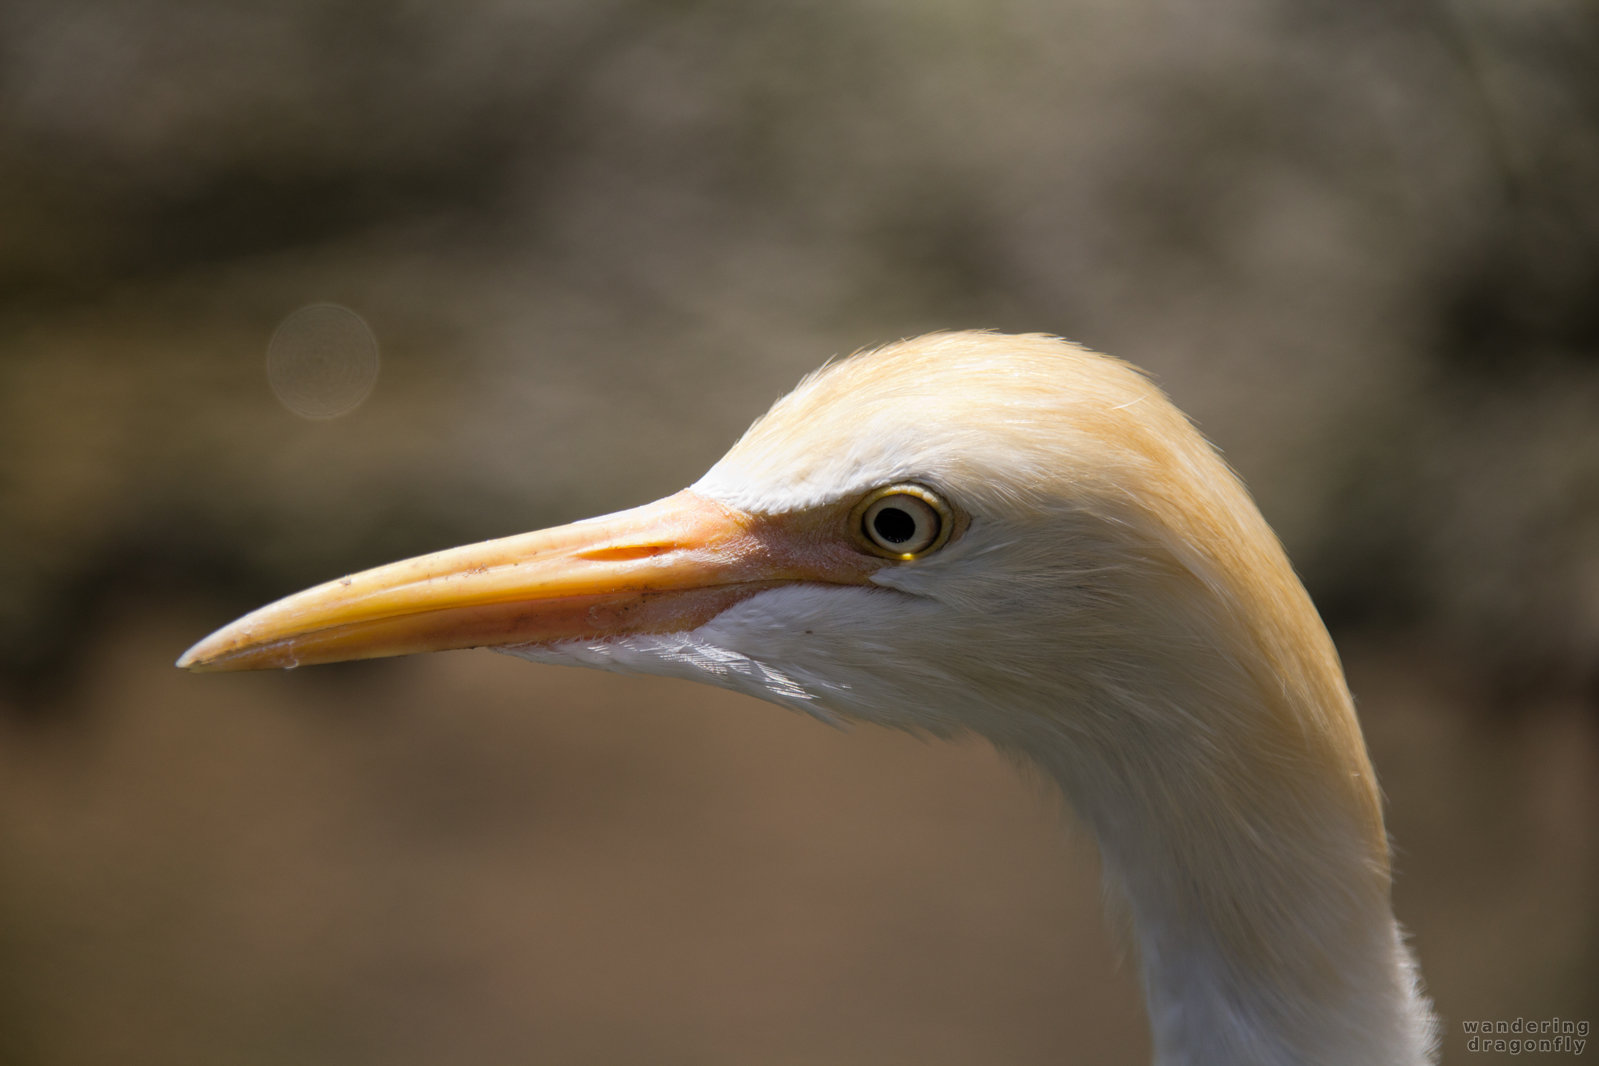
point(667, 567)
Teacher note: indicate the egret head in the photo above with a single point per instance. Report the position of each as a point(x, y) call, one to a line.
point(1007, 535)
point(1011, 537)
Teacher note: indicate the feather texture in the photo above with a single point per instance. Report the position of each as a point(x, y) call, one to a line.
point(1115, 610)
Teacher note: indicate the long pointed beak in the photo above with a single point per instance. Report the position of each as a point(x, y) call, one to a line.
point(666, 567)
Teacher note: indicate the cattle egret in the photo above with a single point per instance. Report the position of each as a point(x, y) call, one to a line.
point(1014, 537)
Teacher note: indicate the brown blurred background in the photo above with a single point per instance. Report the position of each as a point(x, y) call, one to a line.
point(1357, 240)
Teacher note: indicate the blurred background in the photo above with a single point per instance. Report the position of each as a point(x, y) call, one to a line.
point(1358, 241)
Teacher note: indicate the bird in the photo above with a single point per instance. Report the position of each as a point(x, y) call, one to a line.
point(1011, 537)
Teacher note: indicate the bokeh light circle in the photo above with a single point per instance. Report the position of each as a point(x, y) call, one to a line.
point(322, 361)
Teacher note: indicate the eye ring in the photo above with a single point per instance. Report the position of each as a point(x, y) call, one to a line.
point(902, 521)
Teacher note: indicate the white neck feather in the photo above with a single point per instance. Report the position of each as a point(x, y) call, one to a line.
point(1267, 940)
point(1240, 826)
point(1253, 868)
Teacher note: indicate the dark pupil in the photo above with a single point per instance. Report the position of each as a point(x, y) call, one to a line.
point(894, 525)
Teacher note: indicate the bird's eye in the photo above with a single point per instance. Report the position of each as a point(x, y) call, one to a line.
point(903, 521)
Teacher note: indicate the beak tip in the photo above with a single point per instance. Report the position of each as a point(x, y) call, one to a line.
point(205, 656)
point(191, 659)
